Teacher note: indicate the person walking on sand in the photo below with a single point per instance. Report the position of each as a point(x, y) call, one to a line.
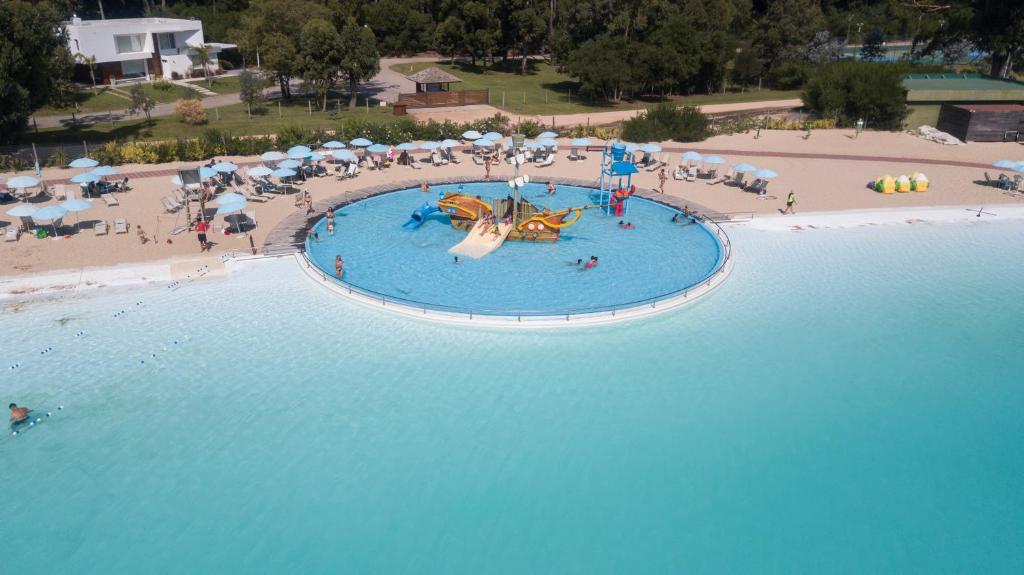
point(141, 234)
point(308, 199)
point(487, 167)
point(201, 227)
point(790, 200)
point(662, 178)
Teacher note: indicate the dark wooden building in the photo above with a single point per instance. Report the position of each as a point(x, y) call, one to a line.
point(983, 122)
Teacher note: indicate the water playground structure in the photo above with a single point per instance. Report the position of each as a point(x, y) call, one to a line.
point(886, 184)
point(489, 222)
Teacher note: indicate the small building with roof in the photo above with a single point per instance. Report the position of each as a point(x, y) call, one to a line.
point(928, 93)
point(434, 89)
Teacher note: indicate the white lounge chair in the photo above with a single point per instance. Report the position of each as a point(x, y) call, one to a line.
point(170, 205)
point(352, 171)
point(413, 163)
point(437, 160)
point(546, 161)
point(12, 234)
point(478, 159)
point(120, 226)
point(100, 228)
point(109, 199)
point(691, 174)
point(60, 192)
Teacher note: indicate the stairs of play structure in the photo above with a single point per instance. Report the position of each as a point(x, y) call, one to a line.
point(481, 241)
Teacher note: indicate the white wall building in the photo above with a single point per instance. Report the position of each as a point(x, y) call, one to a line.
point(140, 48)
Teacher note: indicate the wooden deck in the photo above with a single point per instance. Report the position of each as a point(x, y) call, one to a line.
point(444, 99)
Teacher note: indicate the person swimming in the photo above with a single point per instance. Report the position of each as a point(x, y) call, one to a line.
point(339, 266)
point(456, 260)
point(591, 264)
point(18, 414)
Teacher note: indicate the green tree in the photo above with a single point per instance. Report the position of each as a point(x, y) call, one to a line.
point(140, 102)
point(747, 68)
point(993, 26)
point(203, 57)
point(481, 29)
point(400, 27)
point(846, 91)
point(90, 63)
point(667, 122)
point(786, 30)
point(448, 37)
point(321, 56)
point(873, 47)
point(250, 88)
point(523, 28)
point(602, 67)
point(34, 63)
point(359, 57)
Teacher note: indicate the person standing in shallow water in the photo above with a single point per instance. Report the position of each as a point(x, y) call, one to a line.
point(18, 414)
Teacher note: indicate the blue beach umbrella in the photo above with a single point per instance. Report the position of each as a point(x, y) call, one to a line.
point(407, 146)
point(743, 168)
point(449, 143)
point(22, 210)
point(304, 150)
point(229, 198)
point(580, 142)
point(548, 135)
point(50, 213)
point(765, 174)
point(430, 145)
point(471, 135)
point(283, 173)
point(86, 178)
point(483, 143)
point(315, 157)
point(273, 156)
point(547, 142)
point(344, 155)
point(230, 207)
point(225, 167)
point(714, 160)
point(493, 136)
point(534, 145)
point(76, 206)
point(361, 142)
point(692, 156)
point(105, 171)
point(289, 164)
point(650, 148)
point(21, 182)
point(1019, 167)
point(333, 145)
point(84, 163)
point(377, 149)
point(259, 171)
point(206, 172)
point(1007, 164)
point(631, 147)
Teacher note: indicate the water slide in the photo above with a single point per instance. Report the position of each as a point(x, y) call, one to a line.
point(481, 241)
point(419, 216)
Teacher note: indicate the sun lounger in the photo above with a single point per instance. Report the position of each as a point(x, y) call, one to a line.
point(109, 199)
point(255, 197)
point(718, 180)
point(59, 192)
point(170, 205)
point(437, 159)
point(546, 161)
point(120, 226)
point(352, 171)
point(12, 234)
point(100, 228)
point(478, 160)
point(679, 173)
point(691, 174)
point(737, 180)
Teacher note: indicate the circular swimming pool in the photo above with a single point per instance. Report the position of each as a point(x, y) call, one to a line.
point(655, 261)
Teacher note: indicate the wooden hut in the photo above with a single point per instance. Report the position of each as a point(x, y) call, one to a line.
point(983, 122)
point(434, 89)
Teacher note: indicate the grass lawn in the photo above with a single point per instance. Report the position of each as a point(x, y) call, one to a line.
point(232, 119)
point(105, 100)
point(543, 90)
point(221, 84)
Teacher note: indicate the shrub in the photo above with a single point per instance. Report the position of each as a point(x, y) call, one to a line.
point(137, 153)
point(847, 91)
point(59, 159)
point(191, 111)
point(163, 85)
point(667, 122)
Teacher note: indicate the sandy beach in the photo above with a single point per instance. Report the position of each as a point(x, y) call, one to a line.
point(829, 173)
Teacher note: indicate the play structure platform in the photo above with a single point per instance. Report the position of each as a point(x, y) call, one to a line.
point(482, 239)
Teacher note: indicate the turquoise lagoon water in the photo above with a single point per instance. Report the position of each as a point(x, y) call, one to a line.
point(848, 402)
point(656, 258)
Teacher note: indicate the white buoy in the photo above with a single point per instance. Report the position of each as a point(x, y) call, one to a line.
point(60, 407)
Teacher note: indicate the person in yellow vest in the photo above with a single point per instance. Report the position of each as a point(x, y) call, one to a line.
point(790, 200)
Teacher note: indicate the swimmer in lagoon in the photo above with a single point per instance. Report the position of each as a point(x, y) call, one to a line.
point(591, 264)
point(551, 189)
point(424, 187)
point(456, 260)
point(339, 266)
point(18, 414)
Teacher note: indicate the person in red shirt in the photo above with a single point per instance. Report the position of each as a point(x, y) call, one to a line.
point(201, 228)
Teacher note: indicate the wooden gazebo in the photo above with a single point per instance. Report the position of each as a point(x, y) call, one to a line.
point(433, 89)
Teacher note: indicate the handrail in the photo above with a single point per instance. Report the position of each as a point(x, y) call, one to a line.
point(725, 257)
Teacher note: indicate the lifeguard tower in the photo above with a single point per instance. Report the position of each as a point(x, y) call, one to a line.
point(617, 169)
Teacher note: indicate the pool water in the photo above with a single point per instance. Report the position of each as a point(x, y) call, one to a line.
point(848, 402)
point(656, 258)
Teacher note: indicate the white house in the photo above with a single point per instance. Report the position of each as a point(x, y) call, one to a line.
point(140, 48)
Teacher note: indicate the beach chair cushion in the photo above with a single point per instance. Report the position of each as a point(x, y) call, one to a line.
point(120, 226)
point(109, 199)
point(100, 228)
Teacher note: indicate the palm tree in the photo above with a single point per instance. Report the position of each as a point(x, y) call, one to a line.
point(89, 61)
point(203, 54)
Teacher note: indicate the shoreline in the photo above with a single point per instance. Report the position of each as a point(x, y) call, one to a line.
point(177, 269)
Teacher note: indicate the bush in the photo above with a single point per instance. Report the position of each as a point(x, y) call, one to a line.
point(667, 122)
point(848, 91)
point(191, 111)
point(163, 85)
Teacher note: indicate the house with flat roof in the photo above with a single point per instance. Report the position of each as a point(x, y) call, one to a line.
point(140, 48)
point(927, 93)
